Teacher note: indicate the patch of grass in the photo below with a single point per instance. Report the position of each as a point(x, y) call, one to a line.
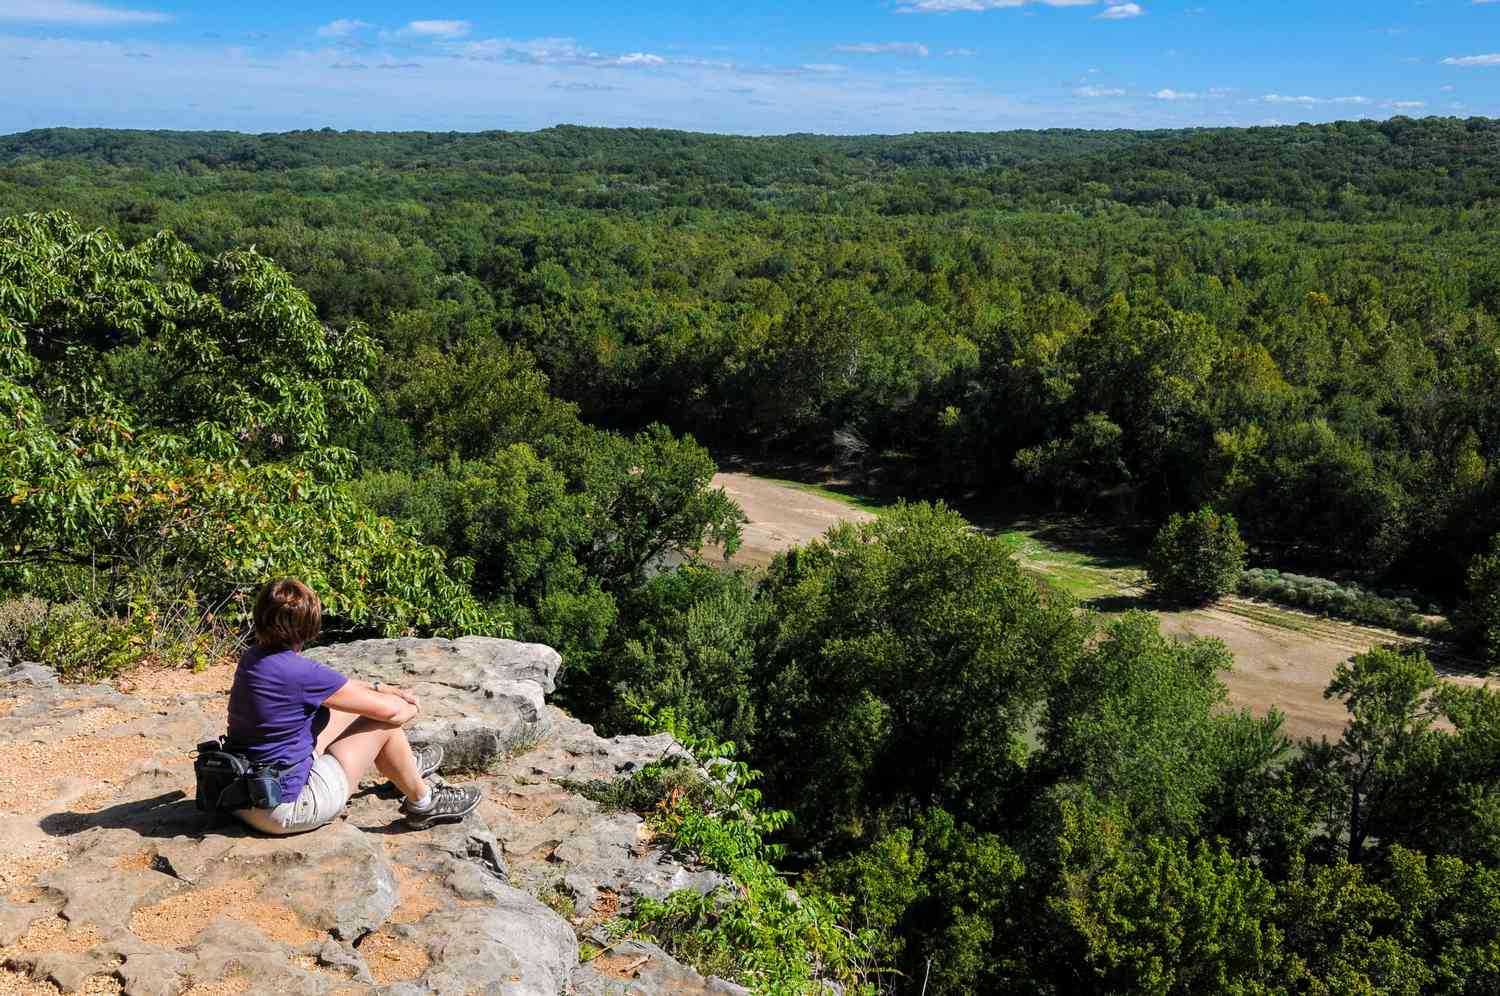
point(557, 897)
point(1293, 621)
point(645, 791)
point(863, 502)
point(1085, 574)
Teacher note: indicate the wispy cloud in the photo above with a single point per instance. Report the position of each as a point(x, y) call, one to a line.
point(1406, 105)
point(342, 28)
point(551, 51)
point(76, 12)
point(1279, 98)
point(581, 86)
point(1491, 59)
point(963, 52)
point(1098, 91)
point(1121, 11)
point(951, 6)
point(1174, 95)
point(438, 29)
point(884, 48)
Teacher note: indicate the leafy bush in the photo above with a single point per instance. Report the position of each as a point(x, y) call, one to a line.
point(85, 644)
point(168, 442)
point(1197, 558)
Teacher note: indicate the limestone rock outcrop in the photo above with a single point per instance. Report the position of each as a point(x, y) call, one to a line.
point(111, 881)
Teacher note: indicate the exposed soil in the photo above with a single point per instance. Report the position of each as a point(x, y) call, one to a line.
point(230, 985)
point(781, 517)
point(19, 871)
point(418, 896)
point(393, 959)
point(14, 983)
point(174, 921)
point(33, 773)
point(1283, 658)
point(158, 684)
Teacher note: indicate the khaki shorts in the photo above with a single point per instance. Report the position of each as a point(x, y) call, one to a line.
point(322, 799)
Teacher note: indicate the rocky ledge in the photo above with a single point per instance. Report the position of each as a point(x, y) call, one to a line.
point(112, 882)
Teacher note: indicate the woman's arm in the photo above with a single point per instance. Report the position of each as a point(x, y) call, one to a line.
point(385, 705)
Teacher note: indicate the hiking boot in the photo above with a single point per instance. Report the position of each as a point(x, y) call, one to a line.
point(449, 804)
point(429, 758)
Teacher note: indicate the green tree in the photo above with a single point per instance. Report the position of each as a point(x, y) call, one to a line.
point(170, 436)
point(1197, 558)
point(1161, 915)
point(947, 901)
point(902, 662)
point(686, 642)
point(1479, 616)
point(1133, 722)
point(1376, 777)
point(1080, 468)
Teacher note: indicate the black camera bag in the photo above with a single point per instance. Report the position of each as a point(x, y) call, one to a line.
point(229, 780)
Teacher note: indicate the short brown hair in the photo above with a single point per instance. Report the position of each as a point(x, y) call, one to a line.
point(287, 614)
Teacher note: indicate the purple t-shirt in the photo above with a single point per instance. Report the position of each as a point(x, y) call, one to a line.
point(273, 705)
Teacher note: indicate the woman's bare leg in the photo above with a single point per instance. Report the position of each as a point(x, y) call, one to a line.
point(338, 722)
point(368, 740)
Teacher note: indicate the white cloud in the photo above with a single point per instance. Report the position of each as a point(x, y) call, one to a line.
point(539, 50)
point(1120, 11)
point(1098, 91)
point(1492, 59)
point(561, 52)
point(950, 6)
point(1278, 98)
point(75, 12)
point(883, 48)
point(962, 52)
point(1406, 105)
point(1174, 95)
point(823, 67)
point(342, 28)
point(1446, 88)
point(438, 29)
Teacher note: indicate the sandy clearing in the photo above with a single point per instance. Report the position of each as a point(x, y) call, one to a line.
point(781, 517)
point(1282, 657)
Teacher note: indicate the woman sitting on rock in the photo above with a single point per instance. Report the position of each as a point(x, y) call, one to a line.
point(324, 729)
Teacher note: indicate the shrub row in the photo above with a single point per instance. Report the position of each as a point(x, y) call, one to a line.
point(1402, 611)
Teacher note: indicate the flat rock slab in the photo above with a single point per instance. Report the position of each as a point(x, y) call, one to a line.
point(482, 698)
point(110, 880)
point(636, 968)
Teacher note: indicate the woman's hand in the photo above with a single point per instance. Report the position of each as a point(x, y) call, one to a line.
point(388, 705)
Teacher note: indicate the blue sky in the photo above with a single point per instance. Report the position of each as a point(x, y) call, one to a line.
point(751, 67)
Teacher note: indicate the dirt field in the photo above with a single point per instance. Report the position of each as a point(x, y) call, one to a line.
point(1282, 657)
point(781, 516)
